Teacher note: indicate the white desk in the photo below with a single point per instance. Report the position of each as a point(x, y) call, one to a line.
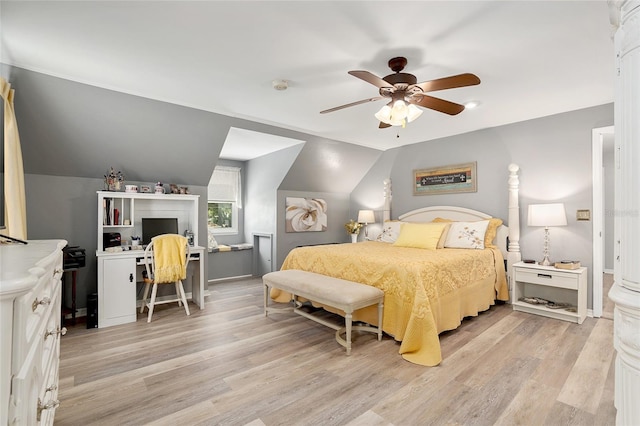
point(118, 274)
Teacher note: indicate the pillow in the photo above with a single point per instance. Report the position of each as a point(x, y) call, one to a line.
point(467, 235)
point(443, 237)
point(390, 231)
point(492, 231)
point(420, 235)
point(489, 236)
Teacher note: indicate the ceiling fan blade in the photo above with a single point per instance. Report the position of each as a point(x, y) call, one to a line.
point(364, 101)
point(439, 105)
point(383, 125)
point(370, 78)
point(460, 80)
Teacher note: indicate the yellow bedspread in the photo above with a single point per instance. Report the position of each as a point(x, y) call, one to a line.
point(426, 291)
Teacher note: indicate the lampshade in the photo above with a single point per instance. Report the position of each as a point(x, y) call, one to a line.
point(547, 215)
point(399, 114)
point(366, 216)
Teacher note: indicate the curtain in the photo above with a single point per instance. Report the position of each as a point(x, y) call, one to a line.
point(15, 206)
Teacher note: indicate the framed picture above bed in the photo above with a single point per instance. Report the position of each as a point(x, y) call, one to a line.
point(305, 214)
point(445, 180)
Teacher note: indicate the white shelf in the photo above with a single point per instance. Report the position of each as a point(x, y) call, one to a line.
point(132, 207)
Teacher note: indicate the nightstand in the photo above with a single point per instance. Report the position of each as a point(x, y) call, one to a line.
point(548, 283)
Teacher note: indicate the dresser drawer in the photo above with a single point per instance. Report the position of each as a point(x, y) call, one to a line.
point(560, 280)
point(35, 309)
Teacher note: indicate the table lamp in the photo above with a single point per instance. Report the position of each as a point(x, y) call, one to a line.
point(546, 215)
point(366, 217)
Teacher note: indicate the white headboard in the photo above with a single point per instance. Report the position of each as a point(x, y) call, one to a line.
point(507, 238)
point(427, 214)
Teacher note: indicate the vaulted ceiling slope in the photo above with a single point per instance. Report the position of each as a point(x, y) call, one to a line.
point(73, 129)
point(534, 58)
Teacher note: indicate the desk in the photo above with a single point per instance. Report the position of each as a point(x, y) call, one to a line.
point(118, 274)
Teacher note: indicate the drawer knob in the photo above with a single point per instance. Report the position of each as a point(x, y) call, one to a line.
point(544, 276)
point(48, 406)
point(60, 331)
point(36, 303)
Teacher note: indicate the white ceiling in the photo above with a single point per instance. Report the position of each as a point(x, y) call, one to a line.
point(535, 58)
point(243, 144)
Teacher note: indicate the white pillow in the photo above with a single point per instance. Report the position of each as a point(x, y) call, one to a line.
point(467, 235)
point(390, 231)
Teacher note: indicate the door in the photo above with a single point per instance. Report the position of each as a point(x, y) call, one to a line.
point(118, 304)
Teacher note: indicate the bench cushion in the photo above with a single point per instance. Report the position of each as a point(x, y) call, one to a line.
point(336, 292)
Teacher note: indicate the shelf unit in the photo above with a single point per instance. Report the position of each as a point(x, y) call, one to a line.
point(119, 271)
point(132, 207)
point(549, 283)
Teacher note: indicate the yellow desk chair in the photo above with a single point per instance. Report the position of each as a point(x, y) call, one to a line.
point(165, 260)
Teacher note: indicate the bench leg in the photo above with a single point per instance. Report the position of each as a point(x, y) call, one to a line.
point(380, 318)
point(347, 320)
point(266, 300)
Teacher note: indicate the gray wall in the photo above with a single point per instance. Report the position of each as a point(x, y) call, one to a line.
point(554, 155)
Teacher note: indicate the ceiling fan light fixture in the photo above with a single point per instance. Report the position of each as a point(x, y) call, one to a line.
point(398, 115)
point(384, 115)
point(399, 110)
point(413, 112)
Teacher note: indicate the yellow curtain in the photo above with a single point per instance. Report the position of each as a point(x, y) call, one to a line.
point(15, 209)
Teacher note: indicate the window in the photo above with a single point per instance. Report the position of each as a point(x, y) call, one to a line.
point(224, 197)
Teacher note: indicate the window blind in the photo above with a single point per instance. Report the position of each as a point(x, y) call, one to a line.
point(225, 184)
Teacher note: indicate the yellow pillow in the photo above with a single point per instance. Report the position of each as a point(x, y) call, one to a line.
point(492, 230)
point(420, 235)
point(489, 236)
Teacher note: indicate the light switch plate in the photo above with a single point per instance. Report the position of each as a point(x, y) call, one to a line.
point(583, 215)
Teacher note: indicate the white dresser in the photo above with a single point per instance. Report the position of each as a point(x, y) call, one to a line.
point(30, 292)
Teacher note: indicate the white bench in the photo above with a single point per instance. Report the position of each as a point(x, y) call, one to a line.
point(337, 293)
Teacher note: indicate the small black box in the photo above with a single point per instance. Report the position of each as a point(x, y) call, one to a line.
point(110, 239)
point(74, 257)
point(92, 310)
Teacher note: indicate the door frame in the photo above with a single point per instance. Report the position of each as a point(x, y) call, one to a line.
point(597, 173)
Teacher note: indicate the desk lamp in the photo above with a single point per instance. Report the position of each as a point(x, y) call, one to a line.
point(546, 215)
point(366, 217)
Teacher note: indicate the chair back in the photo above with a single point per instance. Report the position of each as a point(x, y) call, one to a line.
point(150, 258)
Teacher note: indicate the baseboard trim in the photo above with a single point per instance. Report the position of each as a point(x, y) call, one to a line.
point(221, 280)
point(82, 312)
point(608, 271)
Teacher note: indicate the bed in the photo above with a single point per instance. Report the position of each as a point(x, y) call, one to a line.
point(427, 291)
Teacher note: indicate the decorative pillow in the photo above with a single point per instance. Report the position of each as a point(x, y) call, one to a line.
point(489, 236)
point(420, 235)
point(390, 231)
point(467, 235)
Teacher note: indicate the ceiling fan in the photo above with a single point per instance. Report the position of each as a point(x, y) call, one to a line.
point(405, 94)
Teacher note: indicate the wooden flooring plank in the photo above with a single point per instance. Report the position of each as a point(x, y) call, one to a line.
point(231, 365)
point(590, 370)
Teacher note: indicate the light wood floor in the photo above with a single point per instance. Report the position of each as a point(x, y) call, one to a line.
point(229, 365)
